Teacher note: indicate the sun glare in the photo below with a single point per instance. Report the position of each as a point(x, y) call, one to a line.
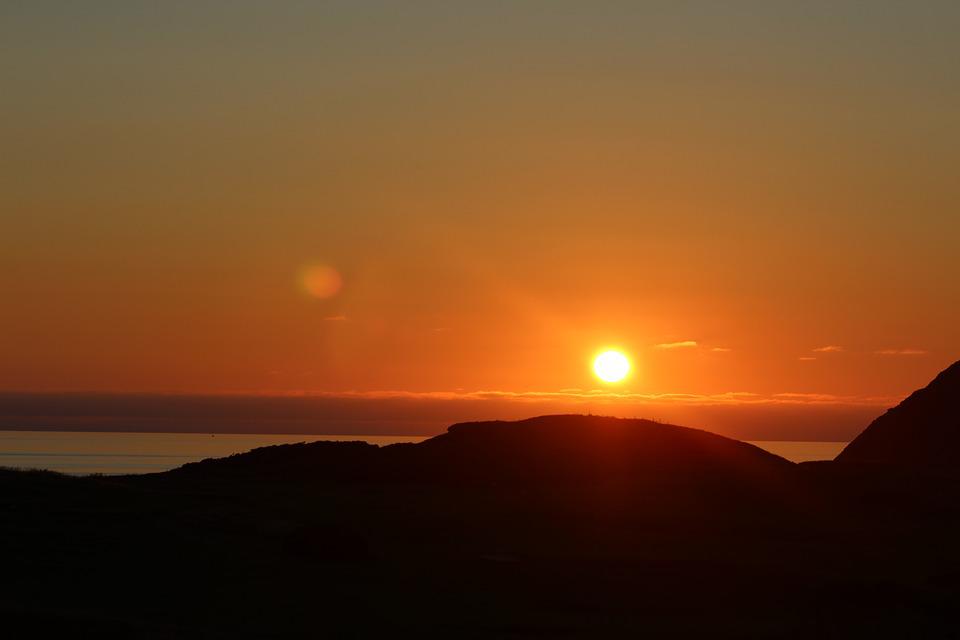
point(611, 366)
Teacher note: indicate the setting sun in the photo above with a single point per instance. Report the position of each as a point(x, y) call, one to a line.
point(611, 366)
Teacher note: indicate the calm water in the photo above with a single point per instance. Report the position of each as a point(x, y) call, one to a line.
point(801, 451)
point(111, 453)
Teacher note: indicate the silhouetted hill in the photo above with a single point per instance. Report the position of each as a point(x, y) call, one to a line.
point(554, 527)
point(547, 448)
point(923, 430)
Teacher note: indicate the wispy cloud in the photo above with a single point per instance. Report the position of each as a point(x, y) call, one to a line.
point(677, 345)
point(900, 352)
point(830, 348)
point(806, 358)
point(599, 395)
point(336, 318)
point(721, 350)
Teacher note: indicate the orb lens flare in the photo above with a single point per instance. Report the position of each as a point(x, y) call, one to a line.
point(611, 366)
point(320, 281)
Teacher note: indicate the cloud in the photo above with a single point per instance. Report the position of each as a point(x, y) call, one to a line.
point(830, 348)
point(721, 350)
point(628, 397)
point(900, 352)
point(806, 358)
point(677, 345)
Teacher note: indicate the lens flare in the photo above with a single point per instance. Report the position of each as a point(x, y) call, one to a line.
point(611, 366)
point(320, 281)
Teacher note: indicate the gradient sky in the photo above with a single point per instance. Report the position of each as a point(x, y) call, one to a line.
point(504, 188)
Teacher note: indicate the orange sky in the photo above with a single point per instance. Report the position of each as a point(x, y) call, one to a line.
point(502, 190)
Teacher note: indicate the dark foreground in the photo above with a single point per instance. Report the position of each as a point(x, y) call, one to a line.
point(555, 527)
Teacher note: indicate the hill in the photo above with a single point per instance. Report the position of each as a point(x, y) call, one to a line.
point(923, 430)
point(558, 526)
point(551, 449)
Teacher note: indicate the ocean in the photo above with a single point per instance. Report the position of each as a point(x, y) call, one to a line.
point(87, 452)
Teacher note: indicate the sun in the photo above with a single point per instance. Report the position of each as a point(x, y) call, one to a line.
point(611, 366)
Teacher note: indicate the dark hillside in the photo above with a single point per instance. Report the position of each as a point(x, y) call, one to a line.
point(923, 430)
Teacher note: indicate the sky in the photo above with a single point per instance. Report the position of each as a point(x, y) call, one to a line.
point(451, 201)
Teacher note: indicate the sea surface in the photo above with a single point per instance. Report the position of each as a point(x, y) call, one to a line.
point(86, 452)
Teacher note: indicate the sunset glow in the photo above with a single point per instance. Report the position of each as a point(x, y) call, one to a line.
point(479, 319)
point(480, 197)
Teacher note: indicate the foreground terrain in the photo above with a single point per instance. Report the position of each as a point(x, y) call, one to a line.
point(561, 526)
